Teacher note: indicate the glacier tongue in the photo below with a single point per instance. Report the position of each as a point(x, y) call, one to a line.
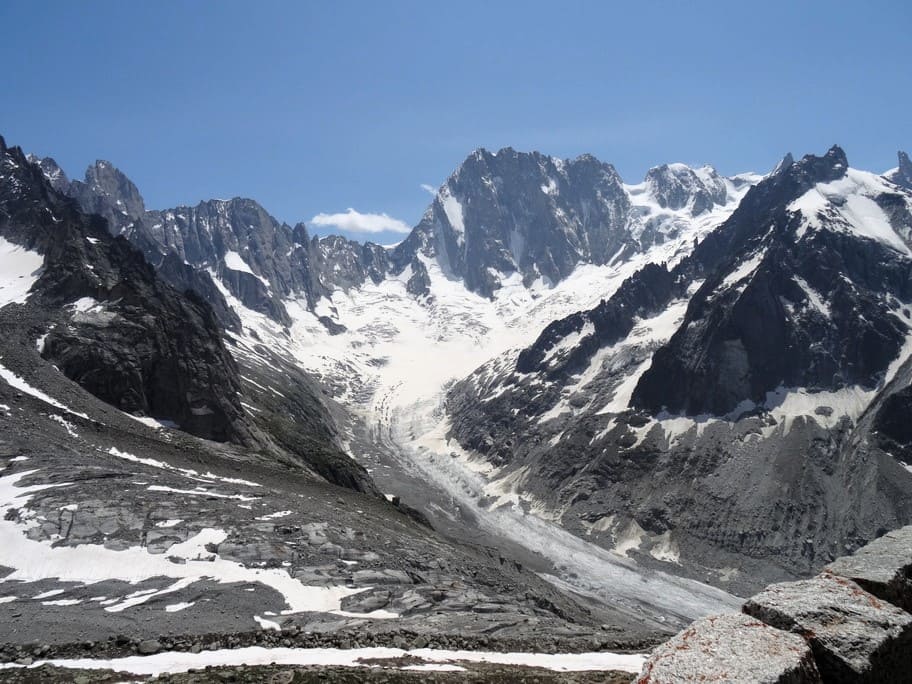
point(395, 358)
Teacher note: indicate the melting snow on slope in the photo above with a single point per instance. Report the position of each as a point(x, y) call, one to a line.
point(453, 210)
point(652, 332)
point(19, 269)
point(15, 381)
point(849, 201)
point(33, 561)
point(207, 477)
point(570, 341)
point(174, 662)
point(814, 297)
point(236, 262)
point(744, 270)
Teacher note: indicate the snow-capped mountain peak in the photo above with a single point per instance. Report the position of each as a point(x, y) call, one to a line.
point(676, 186)
point(902, 174)
point(769, 366)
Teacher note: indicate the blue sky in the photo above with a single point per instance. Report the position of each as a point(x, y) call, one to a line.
point(316, 107)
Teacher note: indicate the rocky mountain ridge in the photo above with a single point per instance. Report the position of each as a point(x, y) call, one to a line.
point(99, 313)
point(748, 363)
point(500, 213)
point(902, 174)
point(129, 340)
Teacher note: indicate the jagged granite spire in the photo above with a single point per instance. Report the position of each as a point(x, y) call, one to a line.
point(903, 173)
point(785, 163)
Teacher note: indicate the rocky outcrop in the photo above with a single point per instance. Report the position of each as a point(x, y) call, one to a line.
point(882, 567)
point(105, 191)
point(731, 648)
point(501, 214)
point(642, 295)
point(114, 327)
point(903, 173)
point(854, 635)
point(744, 334)
point(257, 259)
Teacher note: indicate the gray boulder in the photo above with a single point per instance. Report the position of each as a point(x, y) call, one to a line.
point(731, 648)
point(855, 636)
point(883, 567)
point(148, 647)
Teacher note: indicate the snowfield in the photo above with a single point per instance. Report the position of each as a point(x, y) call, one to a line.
point(434, 660)
point(19, 269)
point(848, 203)
point(185, 563)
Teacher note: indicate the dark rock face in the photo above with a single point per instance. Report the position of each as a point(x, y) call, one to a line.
point(108, 192)
point(148, 352)
point(344, 264)
point(184, 277)
point(254, 255)
point(105, 191)
point(748, 329)
point(132, 340)
point(855, 636)
point(110, 323)
point(256, 258)
point(903, 174)
point(511, 212)
point(892, 419)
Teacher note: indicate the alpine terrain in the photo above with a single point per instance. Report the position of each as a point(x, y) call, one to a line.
point(563, 418)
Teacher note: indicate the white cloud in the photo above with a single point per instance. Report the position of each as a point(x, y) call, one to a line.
point(355, 222)
point(430, 189)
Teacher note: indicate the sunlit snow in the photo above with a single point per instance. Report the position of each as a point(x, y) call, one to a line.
point(19, 269)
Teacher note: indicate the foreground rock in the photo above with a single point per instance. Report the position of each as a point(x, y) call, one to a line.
point(732, 648)
point(855, 636)
point(883, 567)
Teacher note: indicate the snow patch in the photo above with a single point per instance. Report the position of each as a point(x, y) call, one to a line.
point(453, 210)
point(177, 607)
point(18, 383)
point(814, 297)
point(848, 205)
point(19, 269)
point(173, 662)
point(33, 561)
